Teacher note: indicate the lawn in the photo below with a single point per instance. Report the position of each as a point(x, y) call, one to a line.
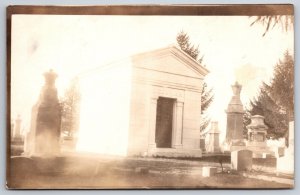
point(108, 173)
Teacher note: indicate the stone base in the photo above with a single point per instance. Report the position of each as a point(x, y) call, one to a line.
point(261, 152)
point(257, 154)
point(236, 148)
point(68, 144)
point(176, 152)
point(235, 145)
point(237, 142)
point(213, 150)
point(256, 144)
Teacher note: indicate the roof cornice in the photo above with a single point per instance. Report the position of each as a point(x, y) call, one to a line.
point(178, 53)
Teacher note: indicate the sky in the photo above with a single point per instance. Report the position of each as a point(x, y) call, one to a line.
point(232, 49)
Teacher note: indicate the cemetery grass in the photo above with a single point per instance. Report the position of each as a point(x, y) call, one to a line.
point(95, 173)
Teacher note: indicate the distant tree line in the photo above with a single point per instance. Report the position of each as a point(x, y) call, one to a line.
point(70, 110)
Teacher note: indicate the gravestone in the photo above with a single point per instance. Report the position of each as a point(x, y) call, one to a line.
point(44, 135)
point(241, 160)
point(214, 145)
point(209, 171)
point(235, 112)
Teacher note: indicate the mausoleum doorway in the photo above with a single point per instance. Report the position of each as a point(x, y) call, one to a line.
point(164, 122)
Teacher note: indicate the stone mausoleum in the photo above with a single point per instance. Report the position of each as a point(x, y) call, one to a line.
point(146, 104)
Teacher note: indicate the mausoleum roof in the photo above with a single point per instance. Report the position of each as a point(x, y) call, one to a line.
point(171, 50)
point(177, 52)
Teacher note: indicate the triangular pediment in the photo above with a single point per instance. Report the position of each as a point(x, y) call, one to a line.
point(170, 60)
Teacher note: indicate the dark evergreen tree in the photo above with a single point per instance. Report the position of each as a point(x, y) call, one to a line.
point(183, 40)
point(276, 100)
point(275, 119)
point(282, 86)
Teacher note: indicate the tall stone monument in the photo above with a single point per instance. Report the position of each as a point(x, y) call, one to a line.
point(213, 144)
point(235, 112)
point(44, 135)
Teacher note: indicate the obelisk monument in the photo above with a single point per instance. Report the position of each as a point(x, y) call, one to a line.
point(235, 112)
point(48, 119)
point(43, 138)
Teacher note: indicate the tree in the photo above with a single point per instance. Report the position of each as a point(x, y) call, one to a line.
point(282, 87)
point(70, 109)
point(276, 100)
point(183, 40)
point(206, 99)
point(246, 122)
point(270, 21)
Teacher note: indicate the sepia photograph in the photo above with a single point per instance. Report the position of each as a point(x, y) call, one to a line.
point(150, 97)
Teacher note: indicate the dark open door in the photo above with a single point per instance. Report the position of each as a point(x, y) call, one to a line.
point(164, 122)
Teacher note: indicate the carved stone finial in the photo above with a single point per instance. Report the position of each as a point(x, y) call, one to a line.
point(235, 105)
point(236, 88)
point(50, 77)
point(257, 122)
